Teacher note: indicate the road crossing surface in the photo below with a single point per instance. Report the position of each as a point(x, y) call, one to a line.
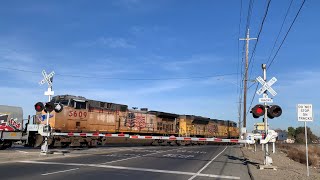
point(161, 162)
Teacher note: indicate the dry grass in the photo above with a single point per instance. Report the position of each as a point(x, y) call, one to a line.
point(298, 153)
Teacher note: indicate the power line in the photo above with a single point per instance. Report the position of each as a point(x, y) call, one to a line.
point(294, 20)
point(247, 25)
point(21, 70)
point(275, 42)
point(250, 86)
point(249, 13)
point(148, 79)
point(253, 98)
point(258, 37)
point(238, 63)
point(127, 79)
point(250, 8)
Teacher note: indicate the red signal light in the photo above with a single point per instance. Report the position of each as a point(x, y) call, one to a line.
point(258, 110)
point(39, 106)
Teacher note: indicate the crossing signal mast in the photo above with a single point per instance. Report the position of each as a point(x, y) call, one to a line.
point(268, 111)
point(47, 107)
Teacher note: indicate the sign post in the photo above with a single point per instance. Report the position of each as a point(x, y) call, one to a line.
point(47, 78)
point(305, 114)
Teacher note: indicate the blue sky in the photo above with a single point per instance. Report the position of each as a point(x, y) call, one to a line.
point(112, 42)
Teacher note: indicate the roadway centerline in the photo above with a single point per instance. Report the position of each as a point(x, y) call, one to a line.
point(205, 166)
point(59, 171)
point(134, 169)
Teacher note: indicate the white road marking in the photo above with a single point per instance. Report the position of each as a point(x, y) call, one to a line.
point(22, 151)
point(59, 172)
point(205, 166)
point(133, 169)
point(140, 156)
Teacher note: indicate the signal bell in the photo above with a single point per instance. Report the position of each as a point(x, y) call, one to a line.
point(258, 110)
point(274, 111)
point(58, 107)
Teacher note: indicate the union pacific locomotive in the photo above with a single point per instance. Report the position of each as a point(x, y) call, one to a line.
point(81, 115)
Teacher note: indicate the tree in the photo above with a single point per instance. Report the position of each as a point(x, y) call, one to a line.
point(300, 135)
point(291, 132)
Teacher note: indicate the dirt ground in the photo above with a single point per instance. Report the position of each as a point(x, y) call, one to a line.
point(286, 168)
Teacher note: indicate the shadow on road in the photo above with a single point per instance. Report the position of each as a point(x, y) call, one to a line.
point(243, 160)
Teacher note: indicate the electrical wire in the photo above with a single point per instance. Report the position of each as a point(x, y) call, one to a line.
point(252, 99)
point(294, 20)
point(127, 79)
point(238, 62)
point(148, 79)
point(258, 37)
point(275, 42)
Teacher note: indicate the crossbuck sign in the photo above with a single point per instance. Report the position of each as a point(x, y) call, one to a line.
point(266, 86)
point(46, 78)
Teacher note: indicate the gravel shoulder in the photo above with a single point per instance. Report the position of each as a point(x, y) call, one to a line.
point(286, 168)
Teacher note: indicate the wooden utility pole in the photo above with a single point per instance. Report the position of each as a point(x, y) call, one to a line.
point(245, 80)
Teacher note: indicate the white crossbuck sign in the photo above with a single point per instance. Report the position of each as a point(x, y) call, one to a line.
point(266, 86)
point(47, 78)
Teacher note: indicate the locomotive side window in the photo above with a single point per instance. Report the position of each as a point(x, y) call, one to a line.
point(64, 102)
point(78, 104)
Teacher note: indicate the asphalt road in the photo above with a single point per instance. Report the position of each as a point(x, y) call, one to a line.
point(168, 162)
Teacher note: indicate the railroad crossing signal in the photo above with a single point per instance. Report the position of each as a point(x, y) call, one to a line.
point(272, 111)
point(266, 86)
point(258, 110)
point(48, 107)
point(47, 78)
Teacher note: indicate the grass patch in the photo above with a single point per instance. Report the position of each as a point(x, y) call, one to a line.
point(297, 153)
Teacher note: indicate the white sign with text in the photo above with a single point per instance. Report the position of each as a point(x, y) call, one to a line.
point(305, 112)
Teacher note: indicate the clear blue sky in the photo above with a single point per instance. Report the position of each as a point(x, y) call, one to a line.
point(133, 39)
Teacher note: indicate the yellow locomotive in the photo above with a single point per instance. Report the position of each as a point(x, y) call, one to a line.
point(81, 115)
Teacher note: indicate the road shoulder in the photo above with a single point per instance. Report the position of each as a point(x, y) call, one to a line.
point(287, 169)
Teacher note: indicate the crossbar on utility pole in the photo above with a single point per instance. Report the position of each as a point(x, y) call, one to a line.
point(247, 39)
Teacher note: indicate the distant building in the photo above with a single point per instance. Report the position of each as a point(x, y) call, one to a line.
point(282, 135)
point(289, 141)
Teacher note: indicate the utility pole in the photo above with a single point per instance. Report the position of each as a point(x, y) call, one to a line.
point(245, 80)
point(239, 116)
